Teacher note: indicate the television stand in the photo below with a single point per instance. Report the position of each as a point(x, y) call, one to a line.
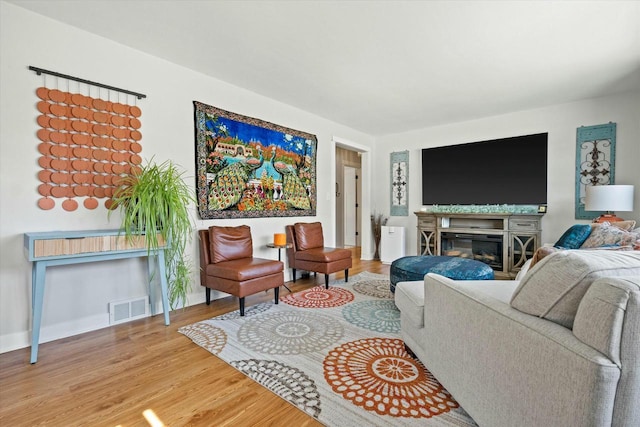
point(504, 241)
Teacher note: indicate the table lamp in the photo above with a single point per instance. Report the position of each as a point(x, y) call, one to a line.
point(609, 198)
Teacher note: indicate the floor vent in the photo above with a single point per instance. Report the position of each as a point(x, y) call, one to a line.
point(124, 311)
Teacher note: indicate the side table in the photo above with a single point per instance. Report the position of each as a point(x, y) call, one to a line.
point(49, 249)
point(279, 248)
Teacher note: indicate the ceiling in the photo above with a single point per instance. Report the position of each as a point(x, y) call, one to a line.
point(384, 67)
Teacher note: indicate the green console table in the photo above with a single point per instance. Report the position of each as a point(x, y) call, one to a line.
point(46, 249)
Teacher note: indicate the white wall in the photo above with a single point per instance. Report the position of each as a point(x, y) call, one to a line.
point(76, 296)
point(560, 121)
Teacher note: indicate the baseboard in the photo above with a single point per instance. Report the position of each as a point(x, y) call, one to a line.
point(366, 256)
point(18, 340)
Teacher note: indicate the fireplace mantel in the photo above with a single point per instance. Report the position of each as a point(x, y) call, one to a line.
point(516, 235)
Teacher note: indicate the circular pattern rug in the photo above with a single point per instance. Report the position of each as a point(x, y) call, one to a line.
point(377, 288)
point(379, 316)
point(206, 336)
point(292, 332)
point(319, 297)
point(286, 381)
point(378, 375)
point(250, 311)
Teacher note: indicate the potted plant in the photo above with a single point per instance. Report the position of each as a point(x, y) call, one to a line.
point(153, 201)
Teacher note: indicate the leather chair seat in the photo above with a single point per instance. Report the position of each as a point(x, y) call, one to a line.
point(323, 254)
point(244, 269)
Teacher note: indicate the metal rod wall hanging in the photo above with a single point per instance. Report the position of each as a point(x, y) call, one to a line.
point(89, 82)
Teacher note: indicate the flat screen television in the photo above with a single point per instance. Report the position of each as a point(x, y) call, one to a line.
point(500, 171)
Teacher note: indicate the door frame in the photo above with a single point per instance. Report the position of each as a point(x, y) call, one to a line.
point(356, 201)
point(366, 242)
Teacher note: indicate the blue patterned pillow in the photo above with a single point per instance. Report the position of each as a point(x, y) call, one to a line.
point(574, 237)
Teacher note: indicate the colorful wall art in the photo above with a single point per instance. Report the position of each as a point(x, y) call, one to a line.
point(249, 168)
point(86, 144)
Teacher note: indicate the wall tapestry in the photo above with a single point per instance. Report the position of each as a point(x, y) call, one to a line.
point(86, 144)
point(249, 168)
point(595, 162)
point(400, 183)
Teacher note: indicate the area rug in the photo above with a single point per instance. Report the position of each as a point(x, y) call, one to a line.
point(334, 353)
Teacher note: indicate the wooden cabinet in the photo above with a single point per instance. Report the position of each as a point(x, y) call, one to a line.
point(427, 235)
point(503, 241)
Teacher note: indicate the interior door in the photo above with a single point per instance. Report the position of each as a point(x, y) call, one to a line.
point(350, 206)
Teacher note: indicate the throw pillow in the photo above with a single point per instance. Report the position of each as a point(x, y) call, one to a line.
point(574, 237)
point(554, 288)
point(623, 225)
point(606, 234)
point(542, 252)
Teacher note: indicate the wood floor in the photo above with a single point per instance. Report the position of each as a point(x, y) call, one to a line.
point(111, 376)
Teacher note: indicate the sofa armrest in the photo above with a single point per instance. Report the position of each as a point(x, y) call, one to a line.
point(503, 365)
point(608, 319)
point(510, 317)
point(609, 305)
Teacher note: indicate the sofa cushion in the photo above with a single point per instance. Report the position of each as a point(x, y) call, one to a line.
point(554, 288)
point(228, 243)
point(574, 237)
point(409, 298)
point(523, 270)
point(308, 235)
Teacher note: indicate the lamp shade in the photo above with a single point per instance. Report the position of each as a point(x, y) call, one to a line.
point(609, 198)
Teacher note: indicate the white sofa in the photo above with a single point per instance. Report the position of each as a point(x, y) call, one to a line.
point(573, 360)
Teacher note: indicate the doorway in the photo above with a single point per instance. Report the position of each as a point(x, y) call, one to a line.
point(351, 208)
point(348, 193)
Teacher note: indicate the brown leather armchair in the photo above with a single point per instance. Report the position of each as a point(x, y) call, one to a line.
point(307, 252)
point(227, 264)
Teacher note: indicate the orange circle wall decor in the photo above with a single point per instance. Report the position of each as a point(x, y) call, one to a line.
point(86, 145)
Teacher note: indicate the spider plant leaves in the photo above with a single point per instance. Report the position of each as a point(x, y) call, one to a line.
point(155, 201)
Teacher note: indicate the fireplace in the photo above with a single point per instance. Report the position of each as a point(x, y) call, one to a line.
point(480, 247)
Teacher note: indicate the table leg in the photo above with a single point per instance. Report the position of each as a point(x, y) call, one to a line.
point(152, 293)
point(37, 286)
point(280, 259)
point(163, 286)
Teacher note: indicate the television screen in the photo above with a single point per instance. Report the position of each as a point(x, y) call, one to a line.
point(500, 171)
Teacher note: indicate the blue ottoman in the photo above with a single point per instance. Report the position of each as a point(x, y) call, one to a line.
point(412, 268)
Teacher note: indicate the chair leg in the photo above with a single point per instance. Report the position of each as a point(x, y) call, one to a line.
point(276, 293)
point(294, 274)
point(242, 306)
point(346, 275)
point(326, 281)
point(207, 293)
